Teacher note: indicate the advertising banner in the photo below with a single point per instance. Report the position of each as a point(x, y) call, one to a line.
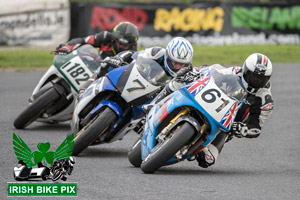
point(201, 23)
point(34, 22)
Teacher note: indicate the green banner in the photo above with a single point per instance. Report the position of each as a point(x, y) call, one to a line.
point(29, 189)
point(266, 18)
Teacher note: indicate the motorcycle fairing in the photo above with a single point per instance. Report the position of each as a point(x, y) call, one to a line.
point(116, 75)
point(158, 114)
point(134, 88)
point(52, 71)
point(137, 112)
point(113, 105)
point(192, 98)
point(65, 114)
point(99, 85)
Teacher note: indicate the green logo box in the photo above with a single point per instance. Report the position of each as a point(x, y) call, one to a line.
point(32, 189)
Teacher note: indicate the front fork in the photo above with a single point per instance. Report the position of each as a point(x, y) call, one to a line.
point(162, 136)
point(201, 130)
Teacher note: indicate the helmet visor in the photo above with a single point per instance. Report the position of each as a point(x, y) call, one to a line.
point(123, 46)
point(176, 66)
point(255, 80)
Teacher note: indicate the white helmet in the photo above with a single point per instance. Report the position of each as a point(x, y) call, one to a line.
point(257, 71)
point(179, 54)
point(72, 160)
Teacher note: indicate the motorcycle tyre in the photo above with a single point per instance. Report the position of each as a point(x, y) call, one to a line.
point(34, 110)
point(135, 153)
point(168, 149)
point(103, 121)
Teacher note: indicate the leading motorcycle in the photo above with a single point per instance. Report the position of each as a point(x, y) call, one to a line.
point(53, 99)
point(185, 122)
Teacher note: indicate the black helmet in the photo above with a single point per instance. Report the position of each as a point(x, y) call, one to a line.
point(126, 34)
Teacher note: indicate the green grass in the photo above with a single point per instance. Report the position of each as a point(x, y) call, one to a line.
point(27, 59)
point(227, 55)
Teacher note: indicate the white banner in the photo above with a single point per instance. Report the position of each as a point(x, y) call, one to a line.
point(37, 23)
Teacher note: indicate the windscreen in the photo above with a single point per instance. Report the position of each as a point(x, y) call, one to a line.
point(228, 82)
point(89, 56)
point(152, 71)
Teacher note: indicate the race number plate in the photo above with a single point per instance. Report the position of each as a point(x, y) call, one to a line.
point(214, 101)
point(136, 86)
point(76, 72)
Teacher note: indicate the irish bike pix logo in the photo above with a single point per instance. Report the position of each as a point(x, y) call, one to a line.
point(43, 164)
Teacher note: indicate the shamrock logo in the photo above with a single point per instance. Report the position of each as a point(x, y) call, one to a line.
point(43, 155)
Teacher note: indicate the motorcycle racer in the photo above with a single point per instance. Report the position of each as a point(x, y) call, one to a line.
point(111, 46)
point(255, 76)
point(123, 37)
point(175, 59)
point(177, 55)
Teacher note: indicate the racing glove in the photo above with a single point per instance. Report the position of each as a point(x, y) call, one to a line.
point(186, 75)
point(114, 62)
point(239, 129)
point(64, 49)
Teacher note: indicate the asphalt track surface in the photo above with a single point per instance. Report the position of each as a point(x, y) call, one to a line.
point(264, 168)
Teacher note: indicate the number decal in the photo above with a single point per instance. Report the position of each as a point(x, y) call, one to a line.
point(77, 70)
point(209, 97)
point(86, 77)
point(225, 102)
point(141, 86)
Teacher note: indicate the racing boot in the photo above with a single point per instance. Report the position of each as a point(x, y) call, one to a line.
point(209, 154)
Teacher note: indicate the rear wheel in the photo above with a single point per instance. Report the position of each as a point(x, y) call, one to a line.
point(90, 132)
point(36, 109)
point(162, 152)
point(135, 154)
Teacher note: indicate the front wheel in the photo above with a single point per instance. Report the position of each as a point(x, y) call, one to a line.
point(90, 132)
point(135, 154)
point(162, 152)
point(36, 109)
point(56, 175)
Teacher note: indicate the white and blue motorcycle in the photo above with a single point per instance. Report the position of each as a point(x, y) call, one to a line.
point(111, 106)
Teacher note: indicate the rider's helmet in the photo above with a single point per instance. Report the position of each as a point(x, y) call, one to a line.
point(257, 71)
point(179, 54)
point(72, 160)
point(125, 36)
